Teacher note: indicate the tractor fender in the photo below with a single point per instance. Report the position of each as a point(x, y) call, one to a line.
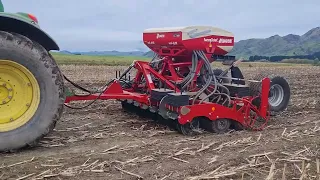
point(15, 24)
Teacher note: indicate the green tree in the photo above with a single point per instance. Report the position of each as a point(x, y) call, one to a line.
point(1, 6)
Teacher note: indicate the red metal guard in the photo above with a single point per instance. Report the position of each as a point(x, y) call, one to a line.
point(210, 110)
point(264, 106)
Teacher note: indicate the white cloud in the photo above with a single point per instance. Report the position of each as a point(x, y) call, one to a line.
point(96, 24)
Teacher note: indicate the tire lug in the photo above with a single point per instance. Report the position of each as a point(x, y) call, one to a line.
point(4, 84)
point(29, 84)
point(27, 104)
point(9, 97)
point(10, 89)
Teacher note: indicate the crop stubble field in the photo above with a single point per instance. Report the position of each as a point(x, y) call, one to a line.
point(103, 142)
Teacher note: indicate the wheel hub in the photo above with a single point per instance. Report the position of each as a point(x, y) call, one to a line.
point(19, 95)
point(6, 92)
point(276, 95)
point(191, 128)
point(222, 124)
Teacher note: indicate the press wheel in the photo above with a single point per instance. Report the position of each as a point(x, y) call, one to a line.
point(219, 126)
point(190, 128)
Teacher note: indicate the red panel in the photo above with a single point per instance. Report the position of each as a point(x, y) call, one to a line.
point(206, 110)
point(264, 106)
point(171, 43)
point(105, 96)
point(209, 43)
point(162, 39)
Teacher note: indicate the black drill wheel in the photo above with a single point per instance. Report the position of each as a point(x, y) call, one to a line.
point(127, 106)
point(279, 92)
point(237, 126)
point(219, 126)
point(189, 129)
point(142, 113)
point(151, 115)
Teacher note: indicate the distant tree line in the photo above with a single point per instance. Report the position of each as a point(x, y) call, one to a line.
point(280, 58)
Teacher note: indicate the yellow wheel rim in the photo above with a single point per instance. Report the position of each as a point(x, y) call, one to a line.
point(19, 95)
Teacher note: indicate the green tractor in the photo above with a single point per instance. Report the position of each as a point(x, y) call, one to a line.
point(31, 84)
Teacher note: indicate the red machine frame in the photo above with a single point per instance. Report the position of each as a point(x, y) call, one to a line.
point(240, 110)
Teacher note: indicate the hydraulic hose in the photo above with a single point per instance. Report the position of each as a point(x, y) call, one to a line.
point(91, 92)
point(155, 59)
point(93, 101)
point(215, 82)
point(214, 93)
point(211, 76)
point(186, 81)
point(228, 98)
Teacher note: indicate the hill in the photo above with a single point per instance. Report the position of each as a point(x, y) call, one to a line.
point(289, 45)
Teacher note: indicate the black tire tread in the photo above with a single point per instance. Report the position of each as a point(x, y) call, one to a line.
point(48, 61)
point(255, 88)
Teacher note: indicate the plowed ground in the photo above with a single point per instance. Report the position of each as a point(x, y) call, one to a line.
point(103, 142)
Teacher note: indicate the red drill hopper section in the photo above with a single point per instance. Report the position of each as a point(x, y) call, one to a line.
point(179, 41)
point(179, 85)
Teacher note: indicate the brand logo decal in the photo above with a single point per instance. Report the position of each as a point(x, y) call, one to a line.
point(176, 35)
point(160, 36)
point(210, 40)
point(222, 40)
point(173, 43)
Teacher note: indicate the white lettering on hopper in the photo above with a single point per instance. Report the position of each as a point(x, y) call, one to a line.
point(210, 40)
point(225, 40)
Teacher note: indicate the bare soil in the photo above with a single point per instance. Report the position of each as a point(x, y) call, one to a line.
point(104, 142)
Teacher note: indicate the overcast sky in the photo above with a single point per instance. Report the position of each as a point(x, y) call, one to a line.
point(80, 25)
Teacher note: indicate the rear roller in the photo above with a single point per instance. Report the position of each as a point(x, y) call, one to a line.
point(31, 92)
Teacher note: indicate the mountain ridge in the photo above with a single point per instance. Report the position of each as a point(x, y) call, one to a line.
point(276, 45)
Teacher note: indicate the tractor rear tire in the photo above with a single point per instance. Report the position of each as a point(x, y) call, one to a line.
point(32, 92)
point(279, 93)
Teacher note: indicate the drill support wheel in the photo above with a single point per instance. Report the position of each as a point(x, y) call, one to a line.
point(279, 93)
